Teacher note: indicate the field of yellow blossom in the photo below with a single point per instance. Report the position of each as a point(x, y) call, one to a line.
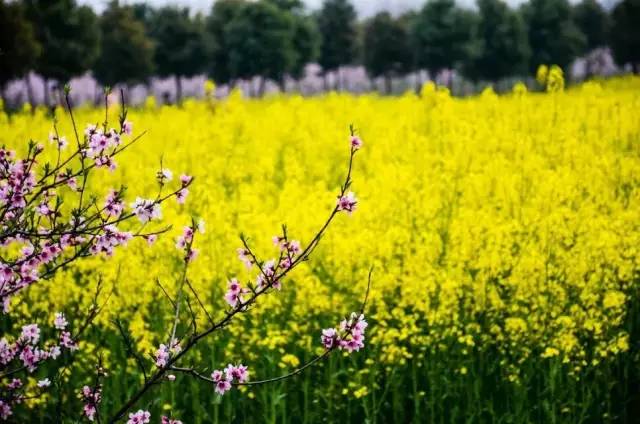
point(504, 232)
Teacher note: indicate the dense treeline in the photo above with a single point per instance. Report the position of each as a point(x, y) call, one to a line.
point(275, 39)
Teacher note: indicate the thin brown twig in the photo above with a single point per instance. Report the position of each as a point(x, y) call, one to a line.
point(242, 306)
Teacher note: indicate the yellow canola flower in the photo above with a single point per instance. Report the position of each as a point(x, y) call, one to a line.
point(542, 74)
point(289, 360)
point(519, 88)
point(555, 79)
point(361, 392)
point(613, 299)
point(506, 221)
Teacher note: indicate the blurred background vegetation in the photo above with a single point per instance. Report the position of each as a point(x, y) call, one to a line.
point(268, 45)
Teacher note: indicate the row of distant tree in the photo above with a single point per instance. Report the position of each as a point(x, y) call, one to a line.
point(273, 39)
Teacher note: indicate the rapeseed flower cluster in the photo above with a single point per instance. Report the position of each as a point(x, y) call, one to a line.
point(498, 223)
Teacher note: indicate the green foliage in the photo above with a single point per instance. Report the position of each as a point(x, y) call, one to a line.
point(272, 38)
point(259, 40)
point(502, 48)
point(269, 38)
point(179, 42)
point(553, 35)
point(19, 48)
point(441, 35)
point(593, 21)
point(306, 44)
point(144, 13)
point(386, 46)
point(294, 6)
point(625, 36)
point(69, 36)
point(337, 25)
point(217, 39)
point(127, 52)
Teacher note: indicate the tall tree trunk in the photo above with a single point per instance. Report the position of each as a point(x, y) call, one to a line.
point(282, 84)
point(27, 83)
point(345, 81)
point(418, 85)
point(45, 81)
point(262, 87)
point(325, 80)
point(253, 91)
point(3, 97)
point(178, 89)
point(388, 84)
point(97, 94)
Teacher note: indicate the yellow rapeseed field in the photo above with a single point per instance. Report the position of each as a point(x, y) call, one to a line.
point(503, 227)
